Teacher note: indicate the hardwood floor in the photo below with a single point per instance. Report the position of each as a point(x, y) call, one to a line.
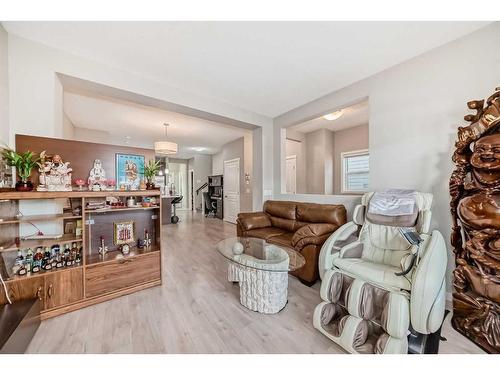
point(196, 310)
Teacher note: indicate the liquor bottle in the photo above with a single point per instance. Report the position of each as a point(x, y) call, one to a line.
point(59, 260)
point(46, 264)
point(37, 260)
point(19, 262)
point(28, 261)
point(67, 256)
point(78, 259)
point(53, 256)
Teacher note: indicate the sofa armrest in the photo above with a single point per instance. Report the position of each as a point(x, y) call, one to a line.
point(253, 220)
point(312, 234)
point(343, 236)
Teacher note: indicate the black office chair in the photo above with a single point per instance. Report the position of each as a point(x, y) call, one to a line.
point(210, 205)
point(175, 219)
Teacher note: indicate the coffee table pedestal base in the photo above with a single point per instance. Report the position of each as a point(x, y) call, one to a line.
point(262, 291)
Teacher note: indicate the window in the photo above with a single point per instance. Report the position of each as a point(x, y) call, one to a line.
point(355, 171)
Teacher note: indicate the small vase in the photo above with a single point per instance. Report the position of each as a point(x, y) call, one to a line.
point(150, 186)
point(24, 186)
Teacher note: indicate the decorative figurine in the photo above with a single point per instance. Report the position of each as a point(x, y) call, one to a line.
point(142, 185)
point(97, 179)
point(475, 210)
point(55, 175)
point(125, 248)
point(37, 260)
point(103, 249)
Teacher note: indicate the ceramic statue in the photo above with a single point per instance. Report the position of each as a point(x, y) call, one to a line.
point(97, 179)
point(55, 175)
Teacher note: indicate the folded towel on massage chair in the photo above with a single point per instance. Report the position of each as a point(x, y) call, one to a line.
point(393, 202)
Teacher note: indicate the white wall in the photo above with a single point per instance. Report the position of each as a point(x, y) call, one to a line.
point(36, 97)
point(415, 110)
point(4, 88)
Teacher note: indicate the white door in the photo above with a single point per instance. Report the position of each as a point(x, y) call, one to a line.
point(231, 189)
point(291, 174)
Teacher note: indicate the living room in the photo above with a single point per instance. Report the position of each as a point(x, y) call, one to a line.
point(310, 205)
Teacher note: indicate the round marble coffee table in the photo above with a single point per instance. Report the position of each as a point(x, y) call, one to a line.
point(261, 269)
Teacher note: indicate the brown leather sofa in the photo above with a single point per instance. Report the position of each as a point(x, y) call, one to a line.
point(303, 227)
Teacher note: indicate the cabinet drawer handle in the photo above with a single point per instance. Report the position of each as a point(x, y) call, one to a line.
point(50, 291)
point(39, 293)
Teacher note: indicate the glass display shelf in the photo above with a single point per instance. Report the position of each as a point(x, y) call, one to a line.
point(28, 218)
point(25, 244)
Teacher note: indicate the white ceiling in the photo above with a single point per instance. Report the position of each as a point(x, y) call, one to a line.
point(144, 125)
point(265, 67)
point(352, 116)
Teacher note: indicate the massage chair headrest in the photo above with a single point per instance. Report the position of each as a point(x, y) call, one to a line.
point(420, 217)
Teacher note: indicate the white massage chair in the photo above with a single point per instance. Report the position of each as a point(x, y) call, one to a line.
point(380, 293)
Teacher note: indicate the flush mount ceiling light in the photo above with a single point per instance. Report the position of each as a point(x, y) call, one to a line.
point(333, 116)
point(165, 147)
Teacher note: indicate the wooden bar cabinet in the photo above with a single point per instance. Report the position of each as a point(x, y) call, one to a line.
point(96, 277)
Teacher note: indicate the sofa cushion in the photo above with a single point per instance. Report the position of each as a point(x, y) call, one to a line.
point(254, 220)
point(264, 233)
point(321, 213)
point(281, 209)
point(284, 239)
point(375, 272)
point(285, 224)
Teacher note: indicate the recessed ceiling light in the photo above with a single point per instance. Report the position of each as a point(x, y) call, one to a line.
point(127, 137)
point(199, 149)
point(333, 116)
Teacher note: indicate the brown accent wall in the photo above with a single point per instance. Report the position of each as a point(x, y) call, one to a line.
point(81, 155)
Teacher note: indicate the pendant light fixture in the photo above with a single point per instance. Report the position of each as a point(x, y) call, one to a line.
point(165, 147)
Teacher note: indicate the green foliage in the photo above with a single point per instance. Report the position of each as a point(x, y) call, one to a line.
point(151, 169)
point(24, 162)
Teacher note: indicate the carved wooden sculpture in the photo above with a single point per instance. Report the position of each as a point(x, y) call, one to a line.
point(475, 209)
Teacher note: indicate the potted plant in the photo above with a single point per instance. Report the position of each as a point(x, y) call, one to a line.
point(150, 171)
point(24, 163)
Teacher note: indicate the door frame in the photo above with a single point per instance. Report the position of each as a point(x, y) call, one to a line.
point(191, 188)
point(224, 190)
point(292, 157)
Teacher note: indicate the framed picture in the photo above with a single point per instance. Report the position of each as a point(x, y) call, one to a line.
point(129, 170)
point(124, 232)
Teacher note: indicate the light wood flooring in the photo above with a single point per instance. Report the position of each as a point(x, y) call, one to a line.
point(196, 310)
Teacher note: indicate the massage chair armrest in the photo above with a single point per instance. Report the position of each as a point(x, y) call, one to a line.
point(253, 220)
point(427, 303)
point(343, 236)
point(312, 234)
